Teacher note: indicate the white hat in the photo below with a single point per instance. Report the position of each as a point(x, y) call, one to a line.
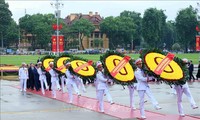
point(39, 63)
point(185, 60)
point(68, 63)
point(98, 63)
point(23, 63)
point(51, 63)
point(139, 60)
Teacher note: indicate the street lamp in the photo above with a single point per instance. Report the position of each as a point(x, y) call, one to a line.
point(57, 5)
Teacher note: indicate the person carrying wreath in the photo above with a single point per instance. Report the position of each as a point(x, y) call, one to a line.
point(143, 87)
point(180, 89)
point(71, 82)
point(54, 79)
point(101, 85)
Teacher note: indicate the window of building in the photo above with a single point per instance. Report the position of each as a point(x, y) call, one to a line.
point(96, 34)
point(91, 43)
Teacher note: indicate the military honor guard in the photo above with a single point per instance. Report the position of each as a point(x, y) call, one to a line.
point(23, 76)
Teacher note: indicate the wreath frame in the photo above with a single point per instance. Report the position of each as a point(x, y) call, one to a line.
point(92, 77)
point(106, 71)
point(170, 82)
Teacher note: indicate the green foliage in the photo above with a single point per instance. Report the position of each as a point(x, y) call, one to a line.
point(12, 34)
point(84, 27)
point(169, 35)
point(176, 47)
point(5, 14)
point(153, 24)
point(121, 30)
point(40, 26)
point(185, 24)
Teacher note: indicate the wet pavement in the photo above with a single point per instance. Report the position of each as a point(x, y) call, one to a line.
point(16, 105)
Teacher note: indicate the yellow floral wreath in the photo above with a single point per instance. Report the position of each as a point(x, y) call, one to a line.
point(126, 75)
point(172, 72)
point(175, 73)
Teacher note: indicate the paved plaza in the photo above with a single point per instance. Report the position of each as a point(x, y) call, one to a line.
point(16, 105)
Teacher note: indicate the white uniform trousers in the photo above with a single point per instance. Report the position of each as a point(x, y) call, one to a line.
point(23, 84)
point(141, 94)
point(186, 91)
point(109, 98)
point(151, 97)
point(131, 93)
point(53, 87)
point(70, 91)
point(80, 84)
point(58, 85)
point(63, 82)
point(100, 99)
point(43, 82)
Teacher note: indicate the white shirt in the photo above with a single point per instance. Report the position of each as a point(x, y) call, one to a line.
point(141, 79)
point(101, 81)
point(54, 75)
point(23, 73)
point(41, 73)
point(70, 77)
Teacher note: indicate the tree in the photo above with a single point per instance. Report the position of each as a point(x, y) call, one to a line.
point(137, 20)
point(120, 30)
point(40, 26)
point(169, 35)
point(153, 24)
point(5, 17)
point(110, 28)
point(84, 27)
point(12, 34)
point(176, 47)
point(185, 25)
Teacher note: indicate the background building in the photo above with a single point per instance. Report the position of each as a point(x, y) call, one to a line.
point(97, 40)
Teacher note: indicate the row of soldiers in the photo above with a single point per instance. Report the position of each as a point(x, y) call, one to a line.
point(101, 83)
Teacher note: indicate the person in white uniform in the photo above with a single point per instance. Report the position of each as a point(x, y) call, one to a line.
point(131, 88)
point(107, 92)
point(102, 87)
point(143, 87)
point(71, 83)
point(23, 76)
point(63, 82)
point(180, 89)
point(42, 78)
point(80, 84)
point(54, 78)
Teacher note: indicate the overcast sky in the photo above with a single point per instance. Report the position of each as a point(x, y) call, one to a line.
point(104, 8)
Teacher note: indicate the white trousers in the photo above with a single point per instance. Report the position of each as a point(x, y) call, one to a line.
point(81, 85)
point(63, 82)
point(186, 91)
point(131, 93)
point(141, 94)
point(100, 99)
point(53, 88)
point(70, 91)
point(58, 85)
point(151, 97)
point(107, 92)
point(43, 82)
point(23, 84)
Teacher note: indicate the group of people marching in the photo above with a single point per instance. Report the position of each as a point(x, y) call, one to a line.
point(101, 82)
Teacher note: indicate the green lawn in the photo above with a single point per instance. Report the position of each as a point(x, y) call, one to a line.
point(18, 59)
